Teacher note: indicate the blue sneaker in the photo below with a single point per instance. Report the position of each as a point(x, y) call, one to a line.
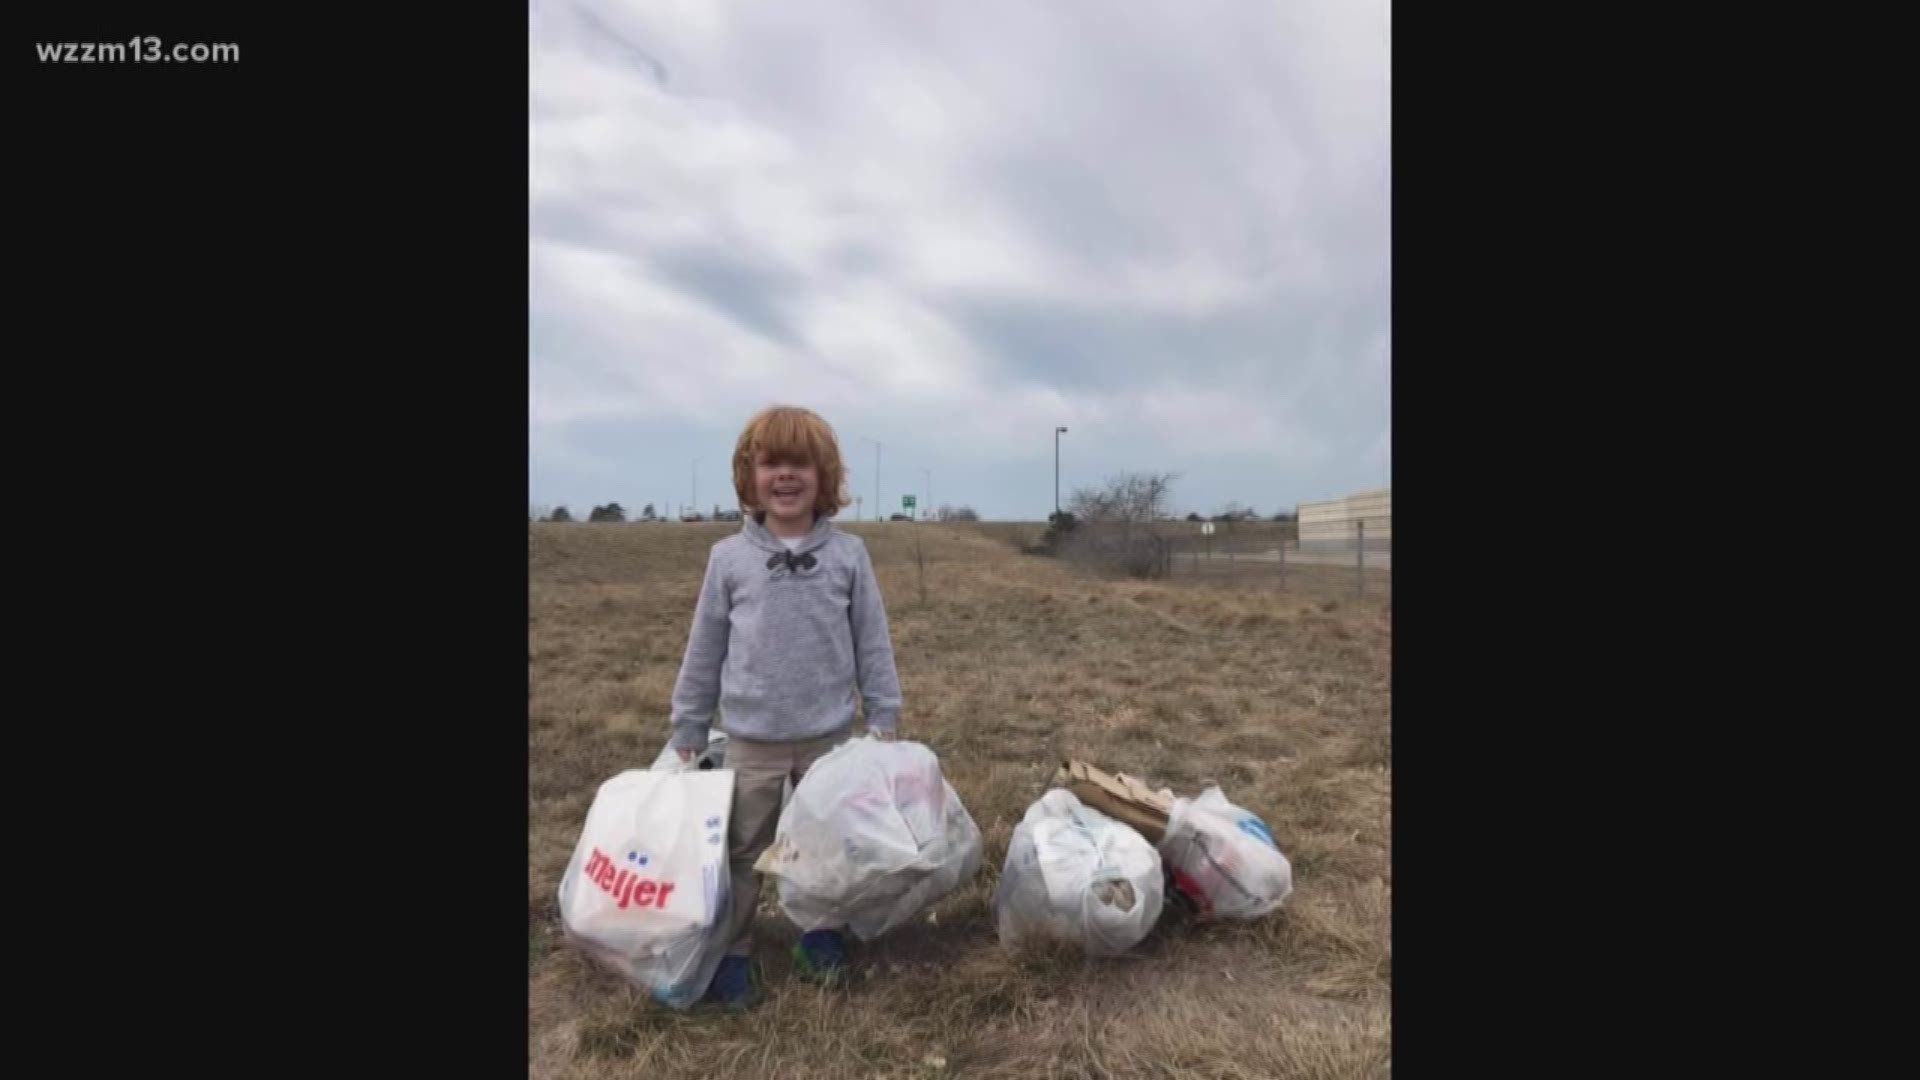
point(732, 984)
point(821, 956)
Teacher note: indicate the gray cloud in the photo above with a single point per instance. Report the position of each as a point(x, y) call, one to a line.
point(609, 38)
point(745, 290)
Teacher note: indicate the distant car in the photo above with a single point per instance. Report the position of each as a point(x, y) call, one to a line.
point(901, 517)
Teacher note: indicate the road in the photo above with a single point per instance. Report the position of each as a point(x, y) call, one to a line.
point(1376, 560)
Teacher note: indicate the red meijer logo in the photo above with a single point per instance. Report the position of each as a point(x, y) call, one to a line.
point(624, 885)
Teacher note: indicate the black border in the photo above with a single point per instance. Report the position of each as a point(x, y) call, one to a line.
point(1647, 203)
point(1550, 523)
point(278, 442)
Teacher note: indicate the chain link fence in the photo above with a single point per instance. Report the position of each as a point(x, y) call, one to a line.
point(1258, 556)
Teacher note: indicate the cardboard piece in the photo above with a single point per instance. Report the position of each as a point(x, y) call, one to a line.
point(1121, 797)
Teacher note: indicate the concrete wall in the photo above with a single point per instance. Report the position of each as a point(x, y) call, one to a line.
point(1333, 525)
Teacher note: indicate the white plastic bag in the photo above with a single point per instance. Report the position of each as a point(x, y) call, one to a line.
point(1075, 874)
point(646, 893)
point(872, 834)
point(1223, 858)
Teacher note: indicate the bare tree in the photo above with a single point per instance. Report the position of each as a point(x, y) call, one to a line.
point(1111, 527)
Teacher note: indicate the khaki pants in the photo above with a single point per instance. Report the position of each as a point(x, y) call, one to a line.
point(760, 773)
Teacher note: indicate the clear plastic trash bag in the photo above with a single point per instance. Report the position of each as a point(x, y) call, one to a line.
point(1224, 859)
point(872, 835)
point(1075, 874)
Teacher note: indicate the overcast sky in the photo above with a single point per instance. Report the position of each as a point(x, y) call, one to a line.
point(950, 227)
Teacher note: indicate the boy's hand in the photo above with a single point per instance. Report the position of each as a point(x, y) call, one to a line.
point(685, 754)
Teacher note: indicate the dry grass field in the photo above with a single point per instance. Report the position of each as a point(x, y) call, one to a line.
point(1011, 664)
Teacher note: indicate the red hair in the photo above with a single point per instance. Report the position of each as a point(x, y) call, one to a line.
point(784, 433)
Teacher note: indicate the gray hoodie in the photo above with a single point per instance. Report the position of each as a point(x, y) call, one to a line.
point(784, 650)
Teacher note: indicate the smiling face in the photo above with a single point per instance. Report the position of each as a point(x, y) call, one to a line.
point(786, 489)
point(787, 471)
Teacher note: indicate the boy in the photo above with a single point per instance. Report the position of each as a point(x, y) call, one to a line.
point(788, 631)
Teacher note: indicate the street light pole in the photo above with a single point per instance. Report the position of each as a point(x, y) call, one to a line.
point(693, 485)
point(1057, 432)
point(929, 473)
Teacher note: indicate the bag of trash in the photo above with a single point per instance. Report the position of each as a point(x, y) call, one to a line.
point(872, 834)
point(1075, 874)
point(646, 892)
point(1224, 859)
